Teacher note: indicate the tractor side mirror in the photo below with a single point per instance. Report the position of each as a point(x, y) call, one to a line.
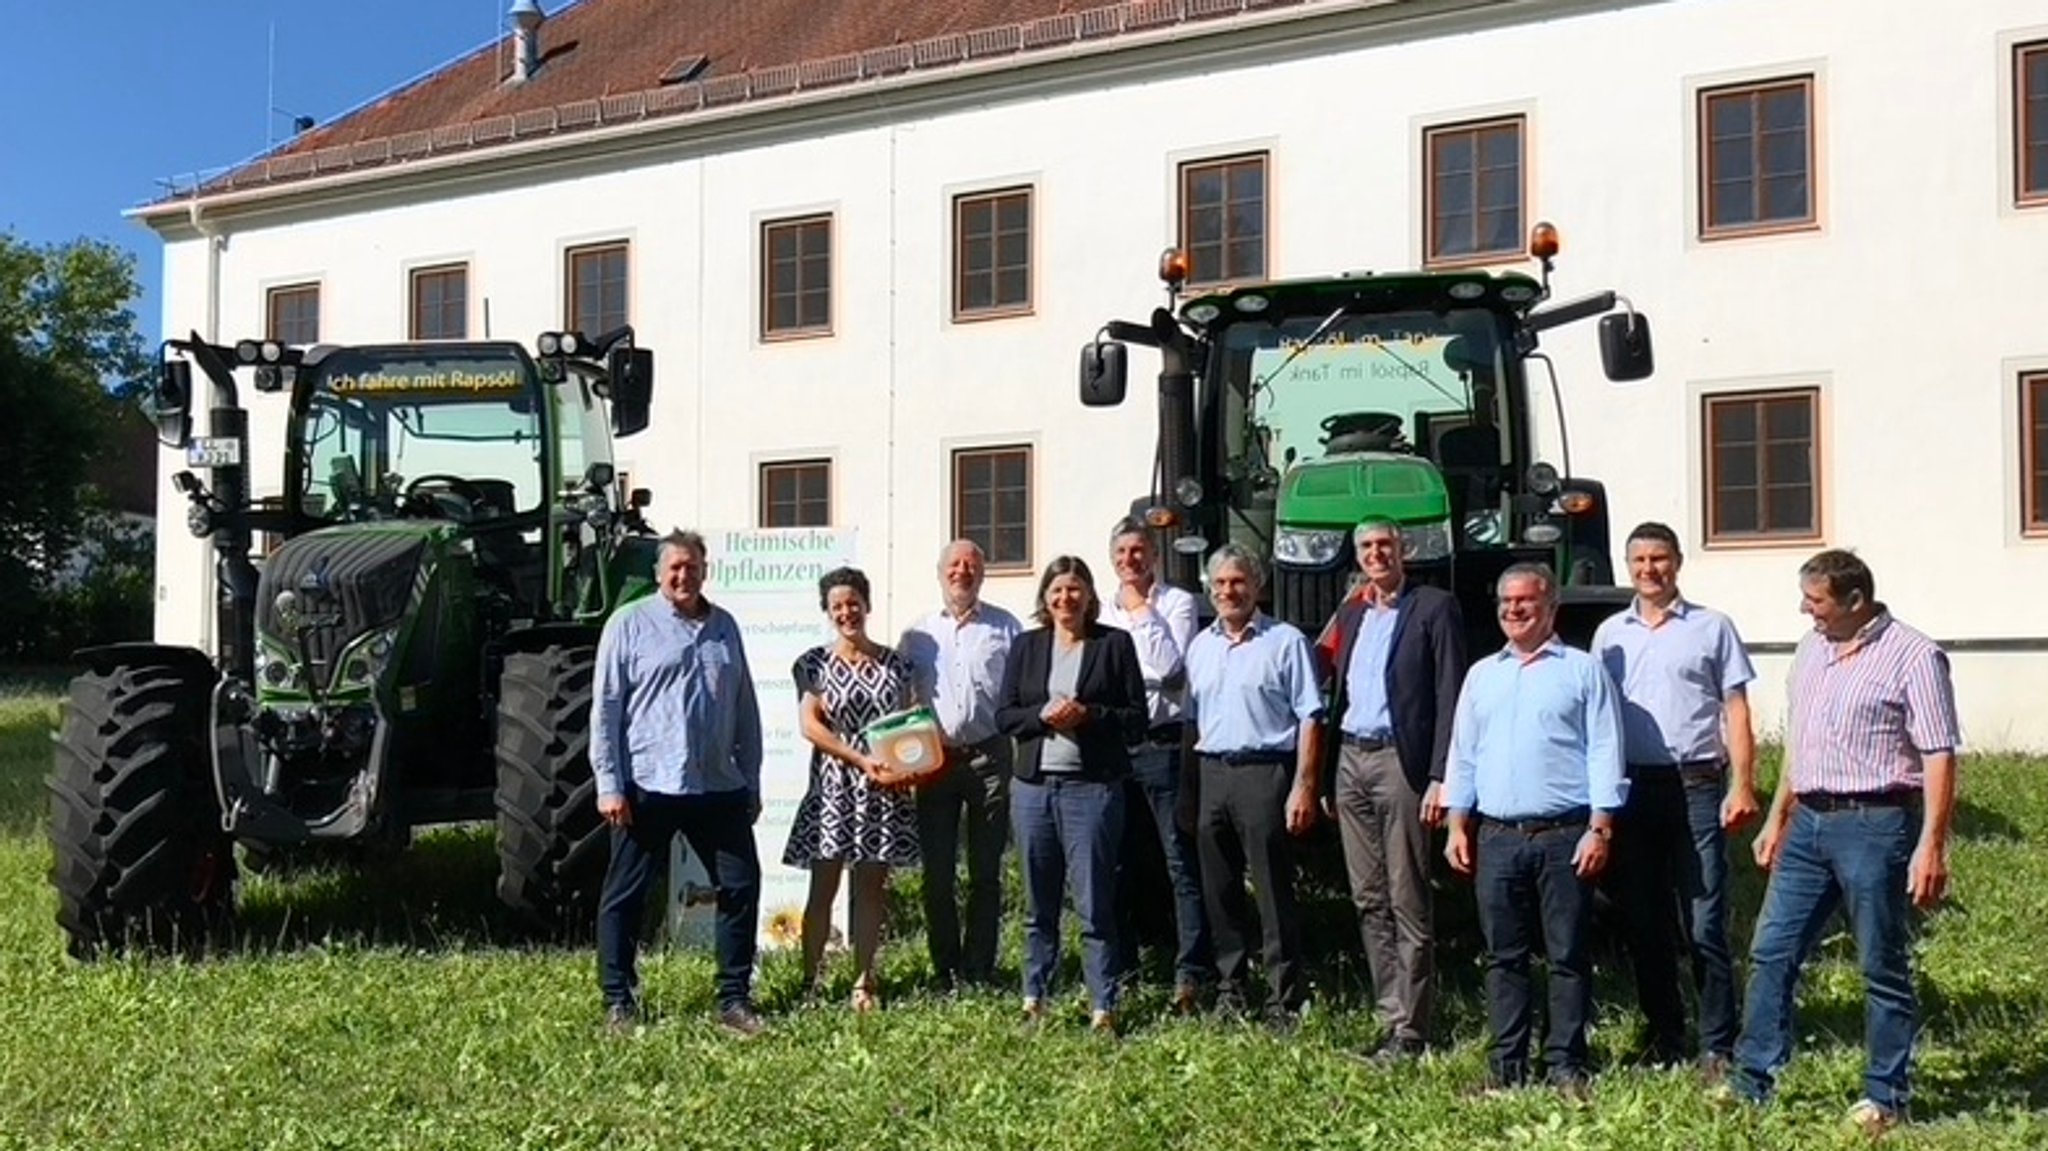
point(170, 403)
point(1102, 373)
point(639, 498)
point(1625, 347)
point(631, 375)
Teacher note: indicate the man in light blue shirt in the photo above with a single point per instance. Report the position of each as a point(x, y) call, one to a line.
point(1535, 775)
point(1257, 710)
point(959, 652)
point(675, 748)
point(1682, 673)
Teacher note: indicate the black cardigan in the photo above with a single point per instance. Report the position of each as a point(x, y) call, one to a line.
point(1110, 686)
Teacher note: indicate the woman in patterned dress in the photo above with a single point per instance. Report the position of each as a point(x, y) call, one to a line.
point(851, 816)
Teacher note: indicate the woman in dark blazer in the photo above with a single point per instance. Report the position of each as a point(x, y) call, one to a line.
point(1074, 700)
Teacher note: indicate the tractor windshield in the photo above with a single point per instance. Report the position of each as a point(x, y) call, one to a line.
point(1415, 382)
point(453, 433)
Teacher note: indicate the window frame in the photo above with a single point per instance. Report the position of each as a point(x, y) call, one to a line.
point(764, 502)
point(2033, 453)
point(2022, 54)
point(571, 293)
point(415, 278)
point(1000, 309)
point(956, 502)
point(1185, 172)
point(276, 296)
point(1517, 250)
point(766, 299)
point(1704, 98)
point(1710, 531)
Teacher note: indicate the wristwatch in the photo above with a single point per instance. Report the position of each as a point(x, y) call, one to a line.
point(1603, 834)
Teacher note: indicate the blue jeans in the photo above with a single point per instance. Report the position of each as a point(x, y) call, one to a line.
point(1067, 834)
point(720, 828)
point(1155, 769)
point(1530, 895)
point(1853, 859)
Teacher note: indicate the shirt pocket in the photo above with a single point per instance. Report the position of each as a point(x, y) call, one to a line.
point(713, 660)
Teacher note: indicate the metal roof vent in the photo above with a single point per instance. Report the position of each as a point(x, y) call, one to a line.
point(526, 19)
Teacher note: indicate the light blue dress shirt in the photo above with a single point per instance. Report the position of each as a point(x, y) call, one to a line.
point(1536, 737)
point(673, 708)
point(1674, 679)
point(1367, 714)
point(1254, 694)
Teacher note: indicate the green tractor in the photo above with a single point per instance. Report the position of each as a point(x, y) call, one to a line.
point(1291, 410)
point(414, 646)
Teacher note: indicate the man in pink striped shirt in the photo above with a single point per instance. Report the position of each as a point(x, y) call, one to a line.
point(1860, 821)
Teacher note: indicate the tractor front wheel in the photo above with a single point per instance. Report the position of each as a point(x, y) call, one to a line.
point(140, 858)
point(552, 847)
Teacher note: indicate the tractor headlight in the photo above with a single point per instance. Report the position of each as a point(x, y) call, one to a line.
point(1426, 543)
point(364, 660)
point(1298, 547)
point(274, 669)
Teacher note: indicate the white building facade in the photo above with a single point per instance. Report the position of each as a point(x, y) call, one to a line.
point(1835, 212)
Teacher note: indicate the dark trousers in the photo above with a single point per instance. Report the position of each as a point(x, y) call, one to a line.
point(973, 793)
point(1067, 833)
point(1668, 873)
point(1529, 894)
point(1241, 830)
point(719, 827)
point(1386, 856)
point(1155, 782)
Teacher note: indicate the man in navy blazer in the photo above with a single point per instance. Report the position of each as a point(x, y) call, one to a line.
point(1400, 658)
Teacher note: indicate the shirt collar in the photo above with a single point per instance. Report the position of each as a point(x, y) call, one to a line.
point(1864, 637)
point(1554, 646)
point(971, 615)
point(1679, 609)
point(1369, 594)
point(1259, 622)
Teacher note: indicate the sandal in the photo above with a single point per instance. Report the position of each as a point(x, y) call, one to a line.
point(866, 998)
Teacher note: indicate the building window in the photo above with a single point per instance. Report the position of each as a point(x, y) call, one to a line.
point(992, 253)
point(440, 303)
point(992, 503)
point(1763, 467)
point(2030, 103)
point(796, 494)
point(2034, 451)
point(1756, 157)
point(294, 314)
point(796, 283)
point(1472, 190)
point(597, 289)
point(1223, 219)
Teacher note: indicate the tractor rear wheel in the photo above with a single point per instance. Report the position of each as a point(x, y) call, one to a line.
point(552, 847)
point(140, 858)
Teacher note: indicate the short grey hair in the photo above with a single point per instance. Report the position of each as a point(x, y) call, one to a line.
point(682, 538)
point(952, 545)
point(1540, 572)
point(1129, 526)
point(1376, 523)
point(1244, 559)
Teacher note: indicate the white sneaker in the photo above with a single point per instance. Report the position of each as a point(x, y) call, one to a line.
point(1872, 1118)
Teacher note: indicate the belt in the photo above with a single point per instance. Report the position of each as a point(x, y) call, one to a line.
point(1859, 801)
point(1367, 743)
point(1248, 758)
point(1168, 734)
point(1576, 817)
point(1695, 769)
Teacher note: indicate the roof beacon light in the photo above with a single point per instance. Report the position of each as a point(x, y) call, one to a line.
point(1173, 268)
point(1543, 243)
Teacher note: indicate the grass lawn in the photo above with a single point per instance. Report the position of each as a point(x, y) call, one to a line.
point(392, 1009)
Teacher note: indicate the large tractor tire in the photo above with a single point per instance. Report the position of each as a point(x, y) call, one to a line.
point(141, 861)
point(552, 847)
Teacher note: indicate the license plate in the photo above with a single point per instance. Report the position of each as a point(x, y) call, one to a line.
point(213, 452)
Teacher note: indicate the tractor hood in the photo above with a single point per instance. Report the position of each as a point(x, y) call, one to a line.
point(1337, 491)
point(324, 592)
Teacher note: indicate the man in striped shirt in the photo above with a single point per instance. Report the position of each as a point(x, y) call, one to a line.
point(1860, 821)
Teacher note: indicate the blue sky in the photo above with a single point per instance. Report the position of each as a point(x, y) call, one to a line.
point(101, 99)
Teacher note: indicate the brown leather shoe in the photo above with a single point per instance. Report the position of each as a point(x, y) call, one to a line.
point(1187, 999)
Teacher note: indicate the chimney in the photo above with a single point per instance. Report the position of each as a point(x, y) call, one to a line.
point(526, 19)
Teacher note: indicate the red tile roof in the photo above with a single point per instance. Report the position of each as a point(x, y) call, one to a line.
point(602, 63)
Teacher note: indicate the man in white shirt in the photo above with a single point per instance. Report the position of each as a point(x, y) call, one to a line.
point(959, 652)
point(1161, 620)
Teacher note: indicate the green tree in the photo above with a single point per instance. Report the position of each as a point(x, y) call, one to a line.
point(70, 358)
